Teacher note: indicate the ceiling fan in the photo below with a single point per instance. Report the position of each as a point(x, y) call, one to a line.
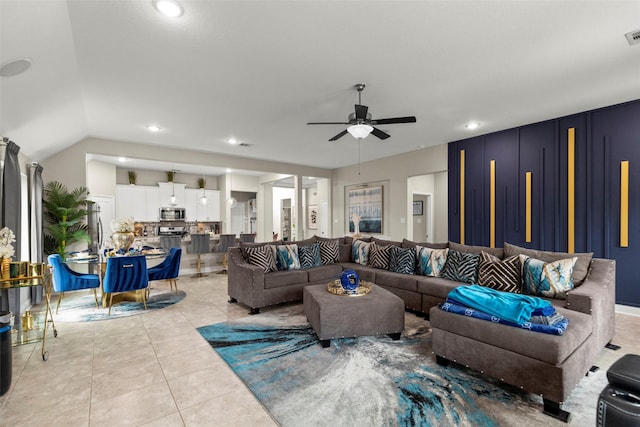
point(361, 122)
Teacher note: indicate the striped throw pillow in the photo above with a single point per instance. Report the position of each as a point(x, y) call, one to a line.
point(329, 251)
point(402, 260)
point(502, 275)
point(309, 256)
point(461, 267)
point(262, 256)
point(379, 256)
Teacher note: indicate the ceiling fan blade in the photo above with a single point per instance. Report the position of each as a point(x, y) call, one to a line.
point(408, 119)
point(327, 123)
point(380, 134)
point(361, 112)
point(338, 136)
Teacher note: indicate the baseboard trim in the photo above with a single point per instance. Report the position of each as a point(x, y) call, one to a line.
point(627, 309)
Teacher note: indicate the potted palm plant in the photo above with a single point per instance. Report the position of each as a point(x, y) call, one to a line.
point(63, 212)
point(132, 177)
point(170, 176)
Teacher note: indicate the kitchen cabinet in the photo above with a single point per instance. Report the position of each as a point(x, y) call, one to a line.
point(167, 189)
point(195, 211)
point(138, 202)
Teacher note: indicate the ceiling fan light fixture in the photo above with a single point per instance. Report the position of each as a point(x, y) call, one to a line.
point(360, 131)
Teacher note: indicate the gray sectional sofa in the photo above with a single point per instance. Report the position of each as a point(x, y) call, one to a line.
point(548, 365)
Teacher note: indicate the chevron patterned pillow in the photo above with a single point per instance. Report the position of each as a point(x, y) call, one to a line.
point(502, 275)
point(262, 256)
point(402, 260)
point(379, 256)
point(461, 267)
point(329, 251)
point(309, 256)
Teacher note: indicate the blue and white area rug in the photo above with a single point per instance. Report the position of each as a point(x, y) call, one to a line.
point(81, 306)
point(374, 381)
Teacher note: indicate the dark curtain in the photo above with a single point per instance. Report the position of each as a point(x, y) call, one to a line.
point(36, 237)
point(10, 214)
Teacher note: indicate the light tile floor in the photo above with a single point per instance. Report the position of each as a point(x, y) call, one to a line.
point(155, 369)
point(148, 370)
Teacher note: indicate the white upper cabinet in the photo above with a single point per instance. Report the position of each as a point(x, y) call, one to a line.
point(131, 202)
point(210, 211)
point(169, 188)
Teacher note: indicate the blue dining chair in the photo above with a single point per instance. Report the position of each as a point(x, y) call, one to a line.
point(169, 269)
point(125, 274)
point(67, 280)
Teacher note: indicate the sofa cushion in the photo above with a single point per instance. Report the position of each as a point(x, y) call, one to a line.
point(552, 280)
point(329, 251)
point(461, 266)
point(287, 257)
point(262, 256)
point(396, 280)
point(430, 262)
point(402, 260)
point(468, 249)
point(379, 256)
point(580, 271)
point(278, 279)
point(360, 252)
point(325, 273)
point(309, 256)
point(349, 239)
point(411, 244)
point(435, 286)
point(502, 275)
point(552, 349)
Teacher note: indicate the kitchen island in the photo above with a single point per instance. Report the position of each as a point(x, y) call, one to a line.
point(210, 262)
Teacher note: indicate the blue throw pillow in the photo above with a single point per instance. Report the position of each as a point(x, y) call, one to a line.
point(402, 260)
point(461, 267)
point(430, 262)
point(288, 257)
point(547, 279)
point(360, 252)
point(309, 256)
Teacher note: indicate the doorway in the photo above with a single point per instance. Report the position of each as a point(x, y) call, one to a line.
point(422, 218)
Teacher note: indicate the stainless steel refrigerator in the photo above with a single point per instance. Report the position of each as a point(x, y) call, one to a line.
point(94, 227)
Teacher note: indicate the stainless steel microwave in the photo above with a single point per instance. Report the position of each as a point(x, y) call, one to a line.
point(172, 214)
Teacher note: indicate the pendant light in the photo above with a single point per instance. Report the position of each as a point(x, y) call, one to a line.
point(203, 199)
point(172, 198)
point(231, 201)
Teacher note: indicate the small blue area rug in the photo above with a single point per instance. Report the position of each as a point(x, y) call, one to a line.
point(372, 381)
point(81, 306)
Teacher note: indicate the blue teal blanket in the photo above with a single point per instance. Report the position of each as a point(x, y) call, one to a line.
point(514, 308)
point(557, 328)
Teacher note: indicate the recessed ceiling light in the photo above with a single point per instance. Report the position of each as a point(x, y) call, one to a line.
point(472, 125)
point(232, 141)
point(168, 7)
point(153, 128)
point(122, 159)
point(16, 67)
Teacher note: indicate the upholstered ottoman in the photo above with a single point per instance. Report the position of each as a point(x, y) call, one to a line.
point(337, 316)
point(619, 402)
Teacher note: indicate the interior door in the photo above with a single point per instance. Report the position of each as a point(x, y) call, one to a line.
point(237, 219)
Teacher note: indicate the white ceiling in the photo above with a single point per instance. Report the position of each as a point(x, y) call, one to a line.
point(259, 70)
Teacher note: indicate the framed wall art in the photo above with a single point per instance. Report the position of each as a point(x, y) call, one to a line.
point(365, 209)
point(418, 207)
point(312, 217)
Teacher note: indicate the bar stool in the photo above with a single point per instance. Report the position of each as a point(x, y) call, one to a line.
point(226, 241)
point(247, 237)
point(199, 245)
point(168, 242)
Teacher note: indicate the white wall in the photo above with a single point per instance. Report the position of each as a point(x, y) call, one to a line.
point(395, 170)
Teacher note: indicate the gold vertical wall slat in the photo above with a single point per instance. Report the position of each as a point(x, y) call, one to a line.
point(571, 189)
point(492, 202)
point(624, 204)
point(527, 221)
point(462, 197)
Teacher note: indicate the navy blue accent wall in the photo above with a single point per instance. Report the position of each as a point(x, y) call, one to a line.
point(603, 138)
